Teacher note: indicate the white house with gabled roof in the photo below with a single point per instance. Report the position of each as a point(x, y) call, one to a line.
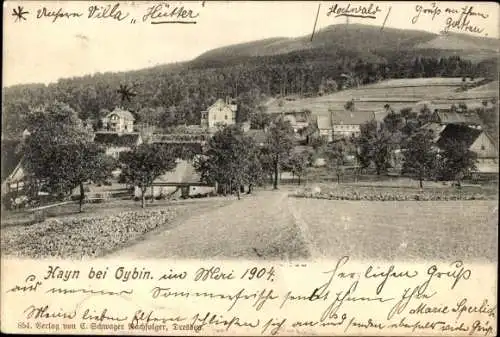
point(119, 120)
point(221, 112)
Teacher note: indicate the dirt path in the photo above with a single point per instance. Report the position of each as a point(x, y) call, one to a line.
point(259, 226)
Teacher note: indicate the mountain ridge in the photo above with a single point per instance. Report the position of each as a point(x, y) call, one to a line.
point(349, 35)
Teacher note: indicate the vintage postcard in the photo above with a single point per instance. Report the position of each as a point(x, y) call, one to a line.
point(272, 168)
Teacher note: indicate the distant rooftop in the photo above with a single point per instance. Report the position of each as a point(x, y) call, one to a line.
point(122, 113)
point(116, 139)
point(344, 117)
point(459, 118)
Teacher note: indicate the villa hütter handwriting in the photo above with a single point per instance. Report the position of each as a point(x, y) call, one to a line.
point(159, 13)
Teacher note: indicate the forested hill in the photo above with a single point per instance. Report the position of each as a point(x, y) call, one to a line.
point(357, 38)
point(176, 93)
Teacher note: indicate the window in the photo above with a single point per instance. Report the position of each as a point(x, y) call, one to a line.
point(225, 117)
point(482, 147)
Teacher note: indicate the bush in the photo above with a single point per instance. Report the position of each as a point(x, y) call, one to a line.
point(81, 237)
point(392, 196)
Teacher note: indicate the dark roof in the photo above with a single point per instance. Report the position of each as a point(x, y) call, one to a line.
point(459, 118)
point(117, 139)
point(461, 133)
point(122, 113)
point(436, 128)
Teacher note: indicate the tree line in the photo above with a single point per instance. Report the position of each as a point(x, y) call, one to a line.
point(167, 96)
point(60, 155)
point(401, 138)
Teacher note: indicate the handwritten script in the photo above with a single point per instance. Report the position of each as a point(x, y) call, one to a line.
point(156, 13)
point(341, 297)
point(465, 18)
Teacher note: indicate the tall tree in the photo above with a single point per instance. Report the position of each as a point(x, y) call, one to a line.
point(394, 122)
point(279, 142)
point(255, 169)
point(458, 161)
point(59, 151)
point(144, 164)
point(260, 120)
point(420, 156)
point(425, 115)
point(375, 146)
point(336, 153)
point(77, 164)
point(227, 159)
point(298, 164)
point(350, 105)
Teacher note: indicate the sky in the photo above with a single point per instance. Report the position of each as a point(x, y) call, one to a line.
point(37, 50)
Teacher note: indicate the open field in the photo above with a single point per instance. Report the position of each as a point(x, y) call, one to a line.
point(429, 81)
point(266, 225)
point(326, 178)
point(488, 90)
point(401, 230)
point(403, 93)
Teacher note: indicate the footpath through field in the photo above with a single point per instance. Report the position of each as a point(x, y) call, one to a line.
point(272, 226)
point(259, 226)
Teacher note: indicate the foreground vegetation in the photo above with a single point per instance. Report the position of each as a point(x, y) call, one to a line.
point(358, 193)
point(108, 227)
point(84, 237)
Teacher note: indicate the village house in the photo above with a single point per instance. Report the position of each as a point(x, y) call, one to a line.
point(119, 120)
point(15, 181)
point(478, 141)
point(221, 112)
point(299, 120)
point(296, 112)
point(181, 182)
point(325, 127)
point(346, 124)
point(470, 119)
point(435, 128)
point(116, 143)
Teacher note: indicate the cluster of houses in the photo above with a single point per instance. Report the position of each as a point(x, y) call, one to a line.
point(119, 132)
point(446, 122)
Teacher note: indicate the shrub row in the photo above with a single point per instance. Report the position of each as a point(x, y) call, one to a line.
point(83, 237)
point(396, 196)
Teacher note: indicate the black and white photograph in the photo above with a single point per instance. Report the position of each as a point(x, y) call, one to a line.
point(269, 131)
